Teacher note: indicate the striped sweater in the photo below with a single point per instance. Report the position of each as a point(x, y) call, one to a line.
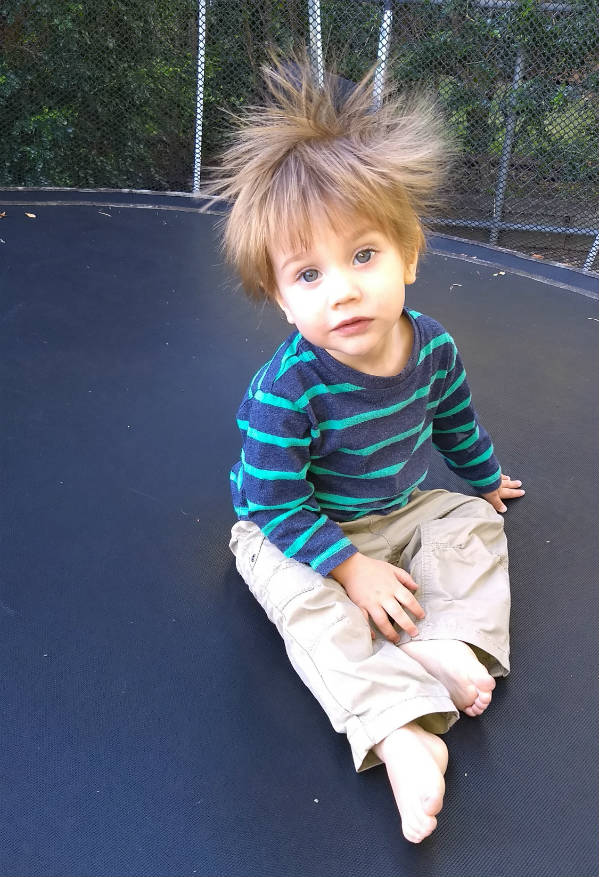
point(324, 443)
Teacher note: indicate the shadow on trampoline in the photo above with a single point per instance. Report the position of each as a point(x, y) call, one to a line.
point(152, 724)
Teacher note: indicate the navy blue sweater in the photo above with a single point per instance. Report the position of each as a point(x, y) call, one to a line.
point(324, 443)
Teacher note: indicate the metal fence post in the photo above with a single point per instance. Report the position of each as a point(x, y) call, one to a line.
point(199, 92)
point(316, 42)
point(506, 148)
point(591, 256)
point(385, 35)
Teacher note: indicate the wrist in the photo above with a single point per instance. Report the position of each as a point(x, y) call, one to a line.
point(343, 572)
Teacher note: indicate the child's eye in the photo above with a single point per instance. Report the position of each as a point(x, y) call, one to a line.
point(310, 275)
point(364, 256)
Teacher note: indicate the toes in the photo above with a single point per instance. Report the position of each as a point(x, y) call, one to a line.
point(485, 683)
point(421, 822)
point(469, 694)
point(417, 831)
point(481, 689)
point(432, 804)
point(480, 704)
point(484, 699)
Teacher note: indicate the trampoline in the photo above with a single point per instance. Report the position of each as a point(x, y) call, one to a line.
point(143, 730)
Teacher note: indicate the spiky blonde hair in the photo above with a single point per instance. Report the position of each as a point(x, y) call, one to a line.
point(312, 152)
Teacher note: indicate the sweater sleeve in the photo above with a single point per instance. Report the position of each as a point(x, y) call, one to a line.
point(457, 434)
point(272, 477)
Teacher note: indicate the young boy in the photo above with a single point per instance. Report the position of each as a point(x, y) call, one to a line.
point(393, 602)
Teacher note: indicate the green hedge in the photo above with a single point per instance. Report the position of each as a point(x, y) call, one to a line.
point(102, 94)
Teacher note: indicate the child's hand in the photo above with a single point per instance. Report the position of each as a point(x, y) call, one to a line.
point(507, 490)
point(380, 590)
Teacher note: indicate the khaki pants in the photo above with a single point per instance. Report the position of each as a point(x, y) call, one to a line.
point(454, 548)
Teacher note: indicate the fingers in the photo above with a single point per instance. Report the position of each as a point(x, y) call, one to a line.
point(405, 578)
point(391, 610)
point(381, 619)
point(507, 482)
point(497, 503)
point(381, 590)
point(509, 489)
point(410, 602)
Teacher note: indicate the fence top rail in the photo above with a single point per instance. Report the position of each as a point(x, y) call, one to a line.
point(546, 5)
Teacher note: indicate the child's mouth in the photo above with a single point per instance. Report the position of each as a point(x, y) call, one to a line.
point(353, 327)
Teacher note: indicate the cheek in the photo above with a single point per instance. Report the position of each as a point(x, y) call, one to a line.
point(309, 321)
point(392, 290)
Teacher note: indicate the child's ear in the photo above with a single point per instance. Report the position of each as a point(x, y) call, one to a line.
point(410, 268)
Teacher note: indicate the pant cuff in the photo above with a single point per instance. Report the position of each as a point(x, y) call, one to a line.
point(496, 657)
point(434, 714)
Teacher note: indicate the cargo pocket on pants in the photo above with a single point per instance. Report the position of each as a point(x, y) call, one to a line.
point(464, 569)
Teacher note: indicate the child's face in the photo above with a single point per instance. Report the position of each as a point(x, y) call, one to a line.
point(345, 293)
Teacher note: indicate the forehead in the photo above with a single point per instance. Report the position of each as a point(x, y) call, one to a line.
point(297, 236)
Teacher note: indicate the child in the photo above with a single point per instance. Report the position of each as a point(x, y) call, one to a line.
point(393, 602)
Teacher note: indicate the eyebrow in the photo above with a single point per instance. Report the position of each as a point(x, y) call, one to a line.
point(297, 257)
point(353, 236)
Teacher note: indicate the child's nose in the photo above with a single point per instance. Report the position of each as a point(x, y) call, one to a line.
point(344, 287)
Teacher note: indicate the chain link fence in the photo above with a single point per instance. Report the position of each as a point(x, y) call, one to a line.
point(134, 94)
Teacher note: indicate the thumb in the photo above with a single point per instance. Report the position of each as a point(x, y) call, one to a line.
point(494, 499)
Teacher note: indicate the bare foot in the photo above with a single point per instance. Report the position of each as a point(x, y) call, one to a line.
point(415, 761)
point(456, 666)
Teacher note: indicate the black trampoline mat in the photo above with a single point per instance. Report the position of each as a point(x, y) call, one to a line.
point(151, 722)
